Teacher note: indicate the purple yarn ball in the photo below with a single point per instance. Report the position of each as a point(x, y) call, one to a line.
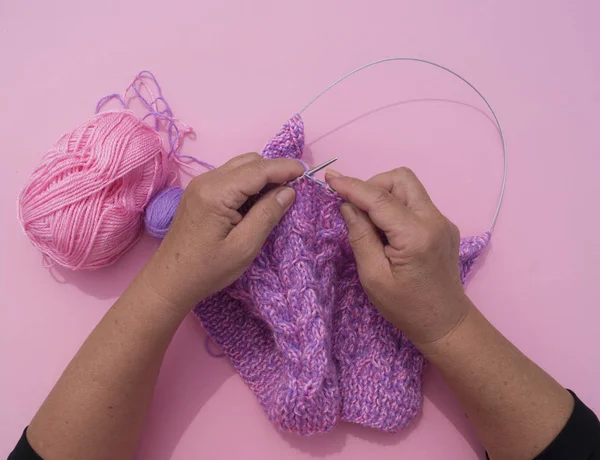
point(161, 210)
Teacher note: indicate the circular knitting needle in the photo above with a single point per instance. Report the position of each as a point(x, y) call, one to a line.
point(310, 172)
point(446, 69)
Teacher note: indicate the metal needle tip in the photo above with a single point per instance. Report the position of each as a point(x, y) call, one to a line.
point(310, 172)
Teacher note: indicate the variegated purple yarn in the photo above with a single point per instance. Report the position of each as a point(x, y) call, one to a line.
point(301, 331)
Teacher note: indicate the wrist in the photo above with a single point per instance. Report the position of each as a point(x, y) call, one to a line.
point(441, 322)
point(453, 336)
point(140, 304)
point(162, 284)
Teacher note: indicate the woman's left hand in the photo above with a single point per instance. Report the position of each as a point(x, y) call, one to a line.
point(210, 243)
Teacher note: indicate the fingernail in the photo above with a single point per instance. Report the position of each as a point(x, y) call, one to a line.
point(285, 196)
point(332, 173)
point(348, 212)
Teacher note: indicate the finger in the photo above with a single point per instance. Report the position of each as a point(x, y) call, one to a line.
point(385, 210)
point(249, 235)
point(366, 243)
point(404, 185)
point(252, 177)
point(239, 161)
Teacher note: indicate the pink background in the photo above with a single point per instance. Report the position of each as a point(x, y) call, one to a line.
point(236, 71)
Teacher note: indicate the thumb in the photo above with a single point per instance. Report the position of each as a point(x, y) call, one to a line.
point(254, 228)
point(364, 239)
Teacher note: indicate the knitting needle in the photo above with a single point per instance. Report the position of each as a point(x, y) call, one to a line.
point(252, 199)
point(310, 172)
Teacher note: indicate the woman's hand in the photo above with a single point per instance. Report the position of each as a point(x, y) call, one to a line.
point(414, 280)
point(516, 408)
point(98, 406)
point(210, 243)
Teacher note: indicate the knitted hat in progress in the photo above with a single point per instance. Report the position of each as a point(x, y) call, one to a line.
point(301, 331)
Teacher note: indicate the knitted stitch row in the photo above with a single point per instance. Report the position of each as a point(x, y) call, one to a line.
point(300, 330)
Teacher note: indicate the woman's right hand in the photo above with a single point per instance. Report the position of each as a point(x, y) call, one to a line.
point(414, 280)
point(516, 408)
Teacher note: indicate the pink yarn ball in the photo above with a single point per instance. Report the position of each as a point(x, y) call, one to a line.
point(83, 205)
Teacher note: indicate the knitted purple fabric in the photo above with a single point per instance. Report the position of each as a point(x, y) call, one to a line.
point(299, 328)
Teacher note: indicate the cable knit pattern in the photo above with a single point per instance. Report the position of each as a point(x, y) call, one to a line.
point(299, 328)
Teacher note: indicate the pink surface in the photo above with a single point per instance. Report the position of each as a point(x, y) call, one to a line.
point(236, 71)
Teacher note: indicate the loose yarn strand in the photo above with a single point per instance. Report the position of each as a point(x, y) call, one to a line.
point(108, 98)
point(446, 69)
point(174, 128)
point(209, 350)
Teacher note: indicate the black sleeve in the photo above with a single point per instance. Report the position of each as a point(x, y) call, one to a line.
point(578, 440)
point(24, 451)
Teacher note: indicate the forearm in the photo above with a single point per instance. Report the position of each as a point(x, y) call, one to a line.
point(98, 406)
point(414, 280)
point(516, 407)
